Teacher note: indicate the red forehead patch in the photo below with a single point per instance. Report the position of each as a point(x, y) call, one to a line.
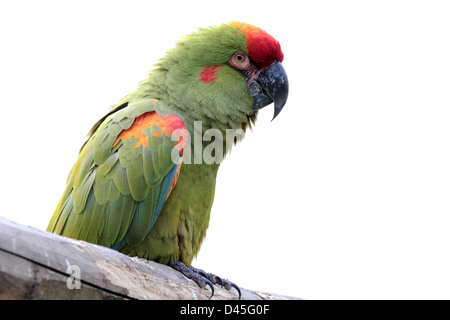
point(262, 48)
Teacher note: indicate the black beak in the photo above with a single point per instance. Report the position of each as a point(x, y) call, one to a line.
point(271, 86)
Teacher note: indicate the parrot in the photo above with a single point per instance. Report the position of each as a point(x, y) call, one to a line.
point(139, 185)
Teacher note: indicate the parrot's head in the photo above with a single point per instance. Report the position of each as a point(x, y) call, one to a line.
point(225, 74)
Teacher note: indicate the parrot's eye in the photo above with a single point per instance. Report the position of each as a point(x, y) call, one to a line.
point(240, 60)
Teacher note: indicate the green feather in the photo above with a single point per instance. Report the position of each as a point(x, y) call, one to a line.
point(113, 221)
point(120, 179)
point(106, 167)
point(66, 211)
point(142, 219)
point(91, 220)
point(81, 193)
point(128, 207)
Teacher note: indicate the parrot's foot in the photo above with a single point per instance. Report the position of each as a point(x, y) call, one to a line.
point(203, 278)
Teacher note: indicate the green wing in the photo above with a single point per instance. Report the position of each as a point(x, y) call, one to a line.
point(121, 179)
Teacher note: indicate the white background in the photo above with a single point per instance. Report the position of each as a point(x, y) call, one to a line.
point(344, 196)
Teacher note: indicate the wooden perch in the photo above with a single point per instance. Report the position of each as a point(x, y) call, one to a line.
point(35, 264)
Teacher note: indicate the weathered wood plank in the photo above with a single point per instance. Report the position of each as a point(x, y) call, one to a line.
point(35, 264)
point(25, 280)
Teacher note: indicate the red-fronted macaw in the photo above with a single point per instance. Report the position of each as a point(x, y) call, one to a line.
point(142, 184)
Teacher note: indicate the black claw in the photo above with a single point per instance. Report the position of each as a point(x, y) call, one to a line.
point(237, 288)
point(218, 280)
point(226, 284)
point(209, 283)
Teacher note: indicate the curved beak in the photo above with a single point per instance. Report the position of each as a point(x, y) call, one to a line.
point(271, 86)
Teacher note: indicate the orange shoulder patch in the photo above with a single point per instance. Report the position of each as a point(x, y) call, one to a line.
point(147, 120)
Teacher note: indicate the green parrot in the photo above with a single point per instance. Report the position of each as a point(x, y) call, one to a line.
point(144, 181)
